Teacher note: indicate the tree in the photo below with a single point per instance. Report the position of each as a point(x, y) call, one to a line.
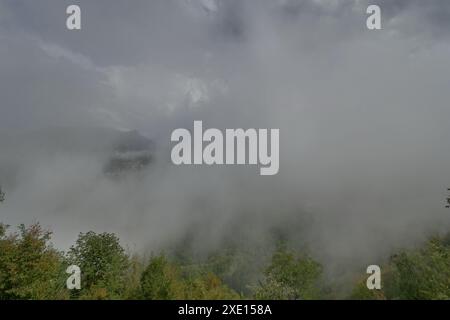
point(290, 277)
point(103, 265)
point(207, 286)
point(2, 195)
point(361, 292)
point(163, 280)
point(416, 274)
point(30, 268)
point(133, 278)
point(422, 274)
point(160, 280)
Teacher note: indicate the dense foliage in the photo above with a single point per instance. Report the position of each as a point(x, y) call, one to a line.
point(289, 277)
point(104, 264)
point(31, 268)
point(419, 274)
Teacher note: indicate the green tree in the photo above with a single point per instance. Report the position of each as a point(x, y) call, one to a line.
point(160, 280)
point(290, 277)
point(207, 286)
point(103, 265)
point(421, 274)
point(163, 280)
point(133, 278)
point(417, 274)
point(361, 292)
point(30, 268)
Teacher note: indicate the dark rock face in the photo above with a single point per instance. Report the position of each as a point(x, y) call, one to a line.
point(132, 141)
point(122, 163)
point(132, 152)
point(120, 152)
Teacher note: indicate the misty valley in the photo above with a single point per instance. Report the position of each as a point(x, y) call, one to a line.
point(224, 150)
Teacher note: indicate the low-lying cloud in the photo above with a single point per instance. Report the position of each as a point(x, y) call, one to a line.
point(363, 118)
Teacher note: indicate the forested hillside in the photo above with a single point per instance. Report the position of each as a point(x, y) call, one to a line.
point(31, 268)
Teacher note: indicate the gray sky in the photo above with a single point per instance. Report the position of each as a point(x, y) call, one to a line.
point(363, 115)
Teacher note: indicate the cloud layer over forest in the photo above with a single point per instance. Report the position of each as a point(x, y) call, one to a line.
point(363, 118)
